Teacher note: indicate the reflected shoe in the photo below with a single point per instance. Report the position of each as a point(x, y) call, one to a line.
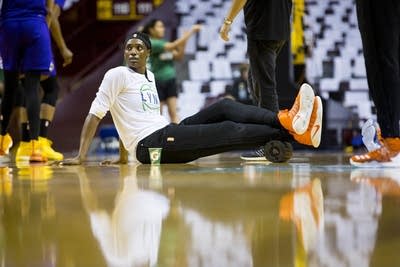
point(304, 207)
point(34, 172)
point(296, 119)
point(5, 181)
point(5, 144)
point(385, 180)
point(312, 136)
point(254, 155)
point(388, 155)
point(48, 151)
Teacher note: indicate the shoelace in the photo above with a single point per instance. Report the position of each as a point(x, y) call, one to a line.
point(259, 152)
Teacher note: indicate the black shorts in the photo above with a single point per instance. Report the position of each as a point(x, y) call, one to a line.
point(167, 89)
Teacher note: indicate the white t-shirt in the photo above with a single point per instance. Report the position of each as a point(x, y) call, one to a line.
point(133, 102)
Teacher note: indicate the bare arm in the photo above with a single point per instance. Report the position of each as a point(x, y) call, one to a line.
point(88, 130)
point(170, 46)
point(123, 156)
point(236, 7)
point(49, 8)
point(179, 52)
point(123, 153)
point(56, 33)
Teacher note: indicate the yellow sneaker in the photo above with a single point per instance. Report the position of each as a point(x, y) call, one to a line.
point(37, 153)
point(48, 151)
point(24, 151)
point(5, 144)
point(30, 151)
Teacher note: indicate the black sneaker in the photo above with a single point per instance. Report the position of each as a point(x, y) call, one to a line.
point(254, 155)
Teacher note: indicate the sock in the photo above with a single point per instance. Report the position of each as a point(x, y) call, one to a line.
point(25, 132)
point(44, 126)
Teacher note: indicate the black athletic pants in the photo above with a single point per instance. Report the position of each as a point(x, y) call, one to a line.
point(379, 23)
point(262, 72)
point(224, 126)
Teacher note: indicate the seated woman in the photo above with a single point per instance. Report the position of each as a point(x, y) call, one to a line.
point(130, 93)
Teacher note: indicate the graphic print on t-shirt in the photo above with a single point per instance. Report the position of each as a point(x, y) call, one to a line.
point(150, 101)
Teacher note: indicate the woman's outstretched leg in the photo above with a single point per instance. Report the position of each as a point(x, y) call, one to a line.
point(230, 110)
point(184, 143)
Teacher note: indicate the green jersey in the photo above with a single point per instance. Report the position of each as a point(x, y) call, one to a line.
point(161, 61)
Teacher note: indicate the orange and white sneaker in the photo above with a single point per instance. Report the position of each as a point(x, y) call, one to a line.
point(296, 119)
point(5, 144)
point(312, 136)
point(388, 155)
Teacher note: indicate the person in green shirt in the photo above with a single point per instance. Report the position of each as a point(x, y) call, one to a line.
point(163, 55)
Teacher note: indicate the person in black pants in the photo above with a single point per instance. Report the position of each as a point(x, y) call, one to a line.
point(379, 24)
point(130, 93)
point(268, 29)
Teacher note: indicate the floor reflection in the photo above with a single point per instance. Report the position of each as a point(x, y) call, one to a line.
point(211, 213)
point(129, 235)
point(351, 223)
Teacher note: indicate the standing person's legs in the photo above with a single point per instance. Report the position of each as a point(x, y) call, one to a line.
point(47, 109)
point(31, 87)
point(10, 89)
point(172, 109)
point(387, 29)
point(171, 89)
point(10, 45)
point(262, 85)
point(37, 59)
point(379, 24)
point(381, 50)
point(168, 94)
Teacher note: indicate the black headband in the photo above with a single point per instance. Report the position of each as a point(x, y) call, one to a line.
point(143, 37)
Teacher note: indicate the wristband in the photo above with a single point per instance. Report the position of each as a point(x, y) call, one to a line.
point(227, 21)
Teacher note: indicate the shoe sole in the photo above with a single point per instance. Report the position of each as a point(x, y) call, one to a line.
point(4, 159)
point(316, 129)
point(302, 117)
point(22, 158)
point(394, 163)
point(253, 158)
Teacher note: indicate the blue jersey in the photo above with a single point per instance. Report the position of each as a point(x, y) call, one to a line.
point(23, 9)
point(60, 3)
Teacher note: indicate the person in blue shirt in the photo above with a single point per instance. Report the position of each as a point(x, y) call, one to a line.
point(25, 48)
point(50, 88)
